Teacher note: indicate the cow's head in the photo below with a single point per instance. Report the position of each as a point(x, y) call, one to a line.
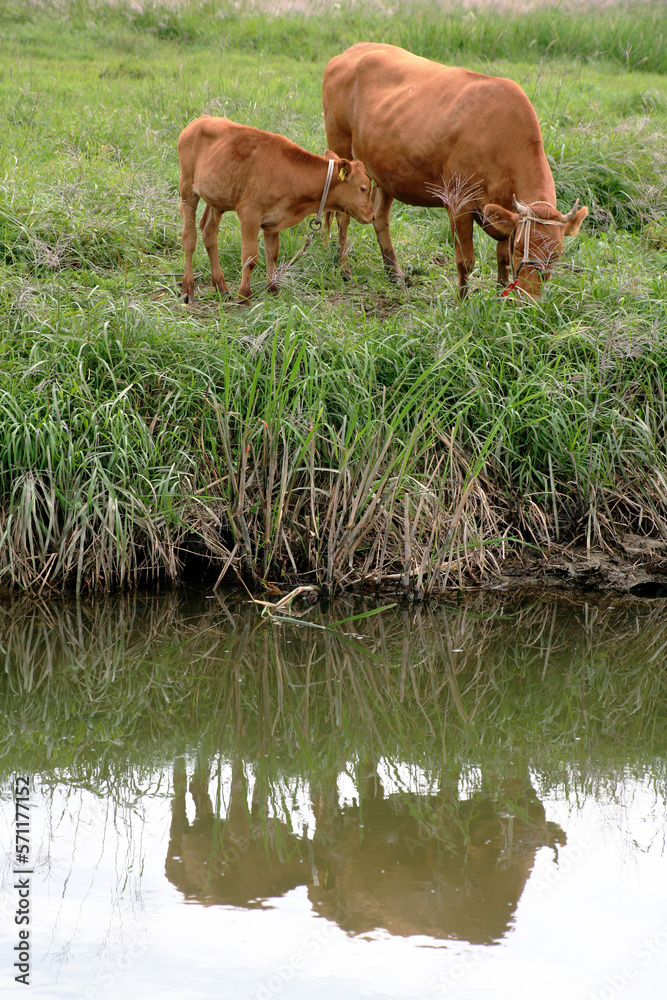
point(536, 234)
point(350, 189)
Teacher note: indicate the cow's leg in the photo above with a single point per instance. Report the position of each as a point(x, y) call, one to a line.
point(382, 206)
point(324, 803)
point(503, 258)
point(188, 208)
point(210, 225)
point(343, 222)
point(249, 253)
point(368, 781)
point(238, 817)
point(464, 253)
point(179, 823)
point(199, 792)
point(179, 819)
point(272, 246)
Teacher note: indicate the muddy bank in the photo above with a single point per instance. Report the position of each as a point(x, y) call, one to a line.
point(636, 565)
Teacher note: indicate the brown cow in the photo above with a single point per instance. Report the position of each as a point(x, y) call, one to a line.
point(412, 864)
point(269, 181)
point(432, 865)
point(430, 134)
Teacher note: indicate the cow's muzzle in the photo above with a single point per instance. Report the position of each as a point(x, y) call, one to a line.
point(514, 284)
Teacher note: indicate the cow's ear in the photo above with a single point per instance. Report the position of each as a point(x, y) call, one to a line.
point(344, 169)
point(330, 155)
point(500, 218)
point(572, 227)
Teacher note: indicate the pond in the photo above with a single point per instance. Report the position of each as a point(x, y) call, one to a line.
point(459, 800)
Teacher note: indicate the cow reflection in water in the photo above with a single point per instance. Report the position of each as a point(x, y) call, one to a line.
point(455, 869)
point(434, 865)
point(240, 861)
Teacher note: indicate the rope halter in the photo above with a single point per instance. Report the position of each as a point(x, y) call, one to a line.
point(527, 218)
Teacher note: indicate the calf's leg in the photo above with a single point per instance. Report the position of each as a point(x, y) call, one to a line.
point(210, 225)
point(188, 209)
point(249, 253)
point(343, 222)
point(382, 206)
point(272, 246)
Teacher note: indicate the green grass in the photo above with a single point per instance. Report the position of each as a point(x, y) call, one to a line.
point(342, 432)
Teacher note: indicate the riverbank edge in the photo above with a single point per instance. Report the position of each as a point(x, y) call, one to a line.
point(635, 565)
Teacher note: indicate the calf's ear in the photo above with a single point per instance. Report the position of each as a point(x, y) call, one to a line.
point(500, 218)
point(344, 169)
point(330, 155)
point(572, 227)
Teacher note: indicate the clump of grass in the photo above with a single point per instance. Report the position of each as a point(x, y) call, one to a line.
point(632, 39)
point(340, 460)
point(619, 182)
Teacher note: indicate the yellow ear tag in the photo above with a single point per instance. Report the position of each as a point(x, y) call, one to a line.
point(341, 174)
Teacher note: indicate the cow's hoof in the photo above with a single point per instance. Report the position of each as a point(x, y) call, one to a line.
point(396, 278)
point(186, 299)
point(400, 284)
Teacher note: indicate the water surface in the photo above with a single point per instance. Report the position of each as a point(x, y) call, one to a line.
point(466, 800)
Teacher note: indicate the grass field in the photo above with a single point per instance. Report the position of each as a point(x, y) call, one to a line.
point(341, 432)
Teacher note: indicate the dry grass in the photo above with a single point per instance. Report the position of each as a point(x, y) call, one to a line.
point(322, 7)
point(319, 7)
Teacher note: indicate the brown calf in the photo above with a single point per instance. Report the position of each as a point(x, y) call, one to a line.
point(271, 184)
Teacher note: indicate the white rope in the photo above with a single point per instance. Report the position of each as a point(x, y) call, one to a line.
point(315, 225)
point(327, 185)
point(525, 220)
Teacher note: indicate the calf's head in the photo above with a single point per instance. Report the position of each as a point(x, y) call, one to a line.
point(350, 189)
point(536, 234)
